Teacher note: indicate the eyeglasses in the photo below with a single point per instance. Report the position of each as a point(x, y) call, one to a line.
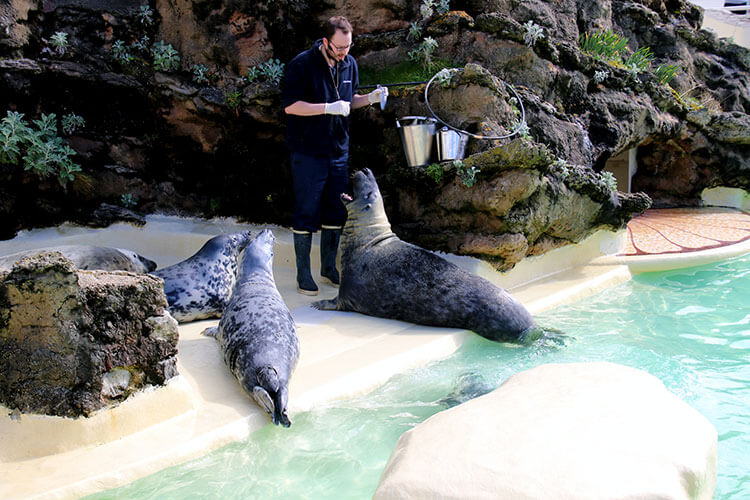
point(340, 49)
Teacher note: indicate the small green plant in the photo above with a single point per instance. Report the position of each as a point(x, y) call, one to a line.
point(272, 70)
point(608, 179)
point(532, 33)
point(665, 72)
point(142, 44)
point(145, 15)
point(605, 45)
point(415, 31)
point(252, 74)
point(166, 58)
point(199, 74)
point(39, 149)
point(121, 53)
point(423, 53)
point(468, 175)
point(127, 200)
point(72, 123)
point(600, 76)
point(214, 205)
point(692, 103)
point(13, 131)
point(60, 42)
point(523, 130)
point(435, 172)
point(233, 99)
point(513, 102)
point(639, 61)
point(429, 7)
point(444, 76)
point(561, 168)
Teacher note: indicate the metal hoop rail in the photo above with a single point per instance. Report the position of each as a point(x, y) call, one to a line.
point(475, 136)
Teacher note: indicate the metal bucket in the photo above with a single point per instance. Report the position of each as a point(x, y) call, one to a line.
point(417, 134)
point(451, 145)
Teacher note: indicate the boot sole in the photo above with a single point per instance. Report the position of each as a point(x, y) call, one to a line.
point(307, 292)
point(328, 280)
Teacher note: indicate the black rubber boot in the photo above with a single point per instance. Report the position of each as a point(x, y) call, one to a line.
point(329, 245)
point(305, 283)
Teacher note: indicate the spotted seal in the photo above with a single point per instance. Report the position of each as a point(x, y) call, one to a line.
point(90, 257)
point(384, 276)
point(200, 286)
point(257, 333)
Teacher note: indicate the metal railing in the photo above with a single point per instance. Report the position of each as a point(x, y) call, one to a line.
point(738, 7)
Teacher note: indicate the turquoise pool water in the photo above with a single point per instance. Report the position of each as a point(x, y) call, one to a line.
point(690, 328)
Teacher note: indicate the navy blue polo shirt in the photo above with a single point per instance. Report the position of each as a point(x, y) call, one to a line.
point(308, 78)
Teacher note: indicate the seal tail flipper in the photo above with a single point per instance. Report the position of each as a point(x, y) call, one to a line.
point(280, 416)
point(269, 394)
point(261, 396)
point(211, 331)
point(326, 305)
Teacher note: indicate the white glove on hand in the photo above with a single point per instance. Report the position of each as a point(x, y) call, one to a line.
point(338, 108)
point(375, 96)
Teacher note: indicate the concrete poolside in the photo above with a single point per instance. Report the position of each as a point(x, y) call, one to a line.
point(343, 354)
point(724, 23)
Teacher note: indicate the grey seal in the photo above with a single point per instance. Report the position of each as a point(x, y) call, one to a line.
point(383, 276)
point(199, 287)
point(257, 332)
point(90, 257)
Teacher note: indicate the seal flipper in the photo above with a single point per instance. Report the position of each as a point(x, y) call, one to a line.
point(326, 305)
point(261, 396)
point(280, 417)
point(270, 395)
point(211, 331)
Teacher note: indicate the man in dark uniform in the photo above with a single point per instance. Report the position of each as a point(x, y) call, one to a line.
point(318, 92)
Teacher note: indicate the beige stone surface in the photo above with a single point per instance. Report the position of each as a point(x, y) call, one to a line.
point(560, 431)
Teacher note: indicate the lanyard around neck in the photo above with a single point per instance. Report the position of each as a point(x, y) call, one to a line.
point(335, 81)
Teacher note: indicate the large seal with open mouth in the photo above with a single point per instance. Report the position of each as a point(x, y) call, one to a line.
point(257, 332)
point(199, 287)
point(383, 276)
point(90, 257)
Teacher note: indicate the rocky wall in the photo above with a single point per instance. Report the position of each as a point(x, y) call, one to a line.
point(163, 141)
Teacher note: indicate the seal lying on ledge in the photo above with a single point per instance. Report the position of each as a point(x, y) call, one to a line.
point(389, 278)
point(199, 287)
point(90, 257)
point(257, 333)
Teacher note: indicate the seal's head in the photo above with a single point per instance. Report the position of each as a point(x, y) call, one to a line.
point(142, 264)
point(271, 395)
point(365, 206)
point(259, 252)
point(225, 245)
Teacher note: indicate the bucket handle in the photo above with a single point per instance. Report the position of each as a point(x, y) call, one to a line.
point(416, 120)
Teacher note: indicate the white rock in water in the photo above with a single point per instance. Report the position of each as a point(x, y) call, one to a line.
point(560, 431)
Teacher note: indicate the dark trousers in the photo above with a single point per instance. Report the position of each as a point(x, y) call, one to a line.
point(318, 182)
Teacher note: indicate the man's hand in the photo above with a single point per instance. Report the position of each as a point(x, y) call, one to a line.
point(378, 95)
point(338, 108)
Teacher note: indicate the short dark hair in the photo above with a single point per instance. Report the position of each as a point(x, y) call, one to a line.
point(334, 24)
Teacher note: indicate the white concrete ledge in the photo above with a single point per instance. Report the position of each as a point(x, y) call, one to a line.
point(665, 262)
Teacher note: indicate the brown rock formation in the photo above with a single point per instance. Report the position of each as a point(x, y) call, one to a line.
point(72, 341)
point(216, 147)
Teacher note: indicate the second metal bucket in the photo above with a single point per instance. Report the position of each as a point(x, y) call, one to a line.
point(417, 134)
point(451, 145)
